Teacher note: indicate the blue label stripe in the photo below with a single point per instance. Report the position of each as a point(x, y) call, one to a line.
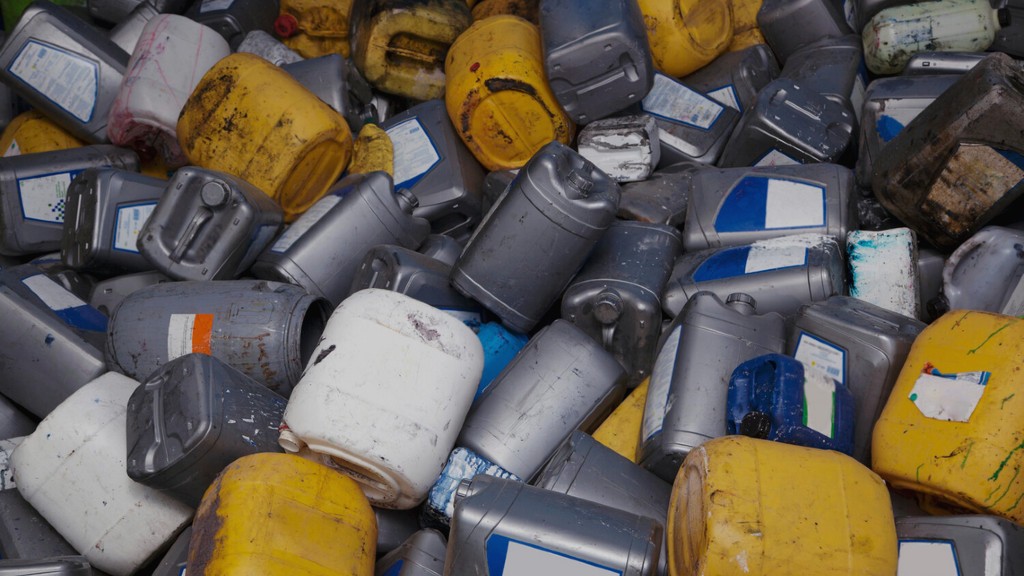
point(888, 128)
point(1015, 157)
point(725, 264)
point(395, 568)
point(83, 318)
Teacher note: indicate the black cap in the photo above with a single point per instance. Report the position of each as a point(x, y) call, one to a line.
point(756, 425)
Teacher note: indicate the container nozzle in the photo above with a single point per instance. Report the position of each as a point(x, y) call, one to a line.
point(407, 201)
point(741, 302)
point(580, 183)
point(756, 425)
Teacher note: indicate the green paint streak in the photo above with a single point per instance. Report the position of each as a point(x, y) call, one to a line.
point(1008, 486)
point(1003, 327)
point(961, 319)
point(918, 472)
point(1019, 498)
point(969, 446)
point(1002, 464)
point(1005, 399)
point(992, 493)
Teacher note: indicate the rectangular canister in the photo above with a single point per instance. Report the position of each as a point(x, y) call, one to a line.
point(233, 19)
point(832, 67)
point(735, 78)
point(965, 545)
point(693, 126)
point(336, 81)
point(789, 25)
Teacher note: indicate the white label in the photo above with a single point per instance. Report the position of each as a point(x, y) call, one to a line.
point(819, 355)
point(902, 115)
point(674, 101)
point(211, 5)
point(763, 258)
point(523, 560)
point(850, 11)
point(44, 197)
point(920, 558)
point(776, 158)
point(13, 149)
point(188, 333)
point(1015, 304)
point(793, 205)
point(727, 96)
point(656, 406)
point(66, 79)
point(951, 397)
point(820, 398)
point(130, 220)
point(414, 152)
point(308, 219)
point(52, 294)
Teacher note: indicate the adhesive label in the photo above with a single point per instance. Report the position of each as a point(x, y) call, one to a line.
point(44, 198)
point(727, 96)
point(850, 12)
point(130, 221)
point(68, 307)
point(927, 558)
point(749, 260)
point(759, 203)
point(188, 333)
point(415, 152)
point(894, 119)
point(656, 407)
point(68, 80)
point(820, 355)
point(675, 102)
point(13, 149)
point(950, 397)
point(819, 403)
point(776, 158)
point(507, 557)
point(308, 219)
point(211, 5)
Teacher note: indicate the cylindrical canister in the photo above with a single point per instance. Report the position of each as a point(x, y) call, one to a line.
point(686, 35)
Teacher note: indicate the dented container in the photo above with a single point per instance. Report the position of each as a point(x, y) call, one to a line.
point(691, 125)
point(686, 35)
point(814, 512)
point(421, 555)
point(735, 78)
point(497, 96)
point(968, 545)
point(315, 28)
point(986, 273)
point(322, 525)
point(208, 226)
point(233, 19)
point(957, 394)
point(789, 25)
point(191, 418)
point(266, 330)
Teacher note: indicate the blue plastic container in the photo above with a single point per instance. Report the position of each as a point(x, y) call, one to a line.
point(500, 346)
point(772, 397)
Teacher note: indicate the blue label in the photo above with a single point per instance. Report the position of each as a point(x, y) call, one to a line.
point(508, 557)
point(1016, 158)
point(395, 569)
point(744, 260)
point(759, 203)
point(888, 128)
point(725, 264)
point(83, 318)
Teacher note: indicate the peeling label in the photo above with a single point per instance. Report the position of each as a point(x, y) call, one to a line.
point(927, 558)
point(817, 354)
point(819, 403)
point(507, 557)
point(727, 96)
point(950, 397)
point(657, 406)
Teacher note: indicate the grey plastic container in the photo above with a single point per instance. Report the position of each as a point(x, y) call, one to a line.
point(1010, 39)
point(193, 417)
point(596, 56)
point(34, 189)
point(616, 297)
point(128, 31)
point(494, 185)
point(52, 342)
point(926, 63)
point(986, 273)
point(504, 527)
point(889, 105)
point(789, 125)
point(25, 534)
point(233, 19)
point(433, 163)
point(966, 545)
point(788, 25)
point(861, 345)
point(692, 126)
point(735, 78)
point(63, 566)
point(118, 10)
point(80, 285)
point(735, 206)
point(781, 275)
point(832, 67)
point(208, 226)
point(336, 81)
point(537, 236)
point(106, 210)
point(584, 468)
point(559, 382)
point(930, 263)
point(394, 527)
point(661, 199)
point(422, 554)
point(14, 421)
point(441, 247)
point(323, 249)
point(268, 47)
point(266, 330)
point(107, 294)
point(175, 561)
point(714, 338)
point(64, 67)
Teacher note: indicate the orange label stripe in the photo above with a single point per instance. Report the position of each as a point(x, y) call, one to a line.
point(202, 328)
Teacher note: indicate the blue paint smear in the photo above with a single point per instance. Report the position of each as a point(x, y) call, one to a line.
point(83, 318)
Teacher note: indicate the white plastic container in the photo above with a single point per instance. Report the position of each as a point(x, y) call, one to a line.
point(897, 33)
point(385, 395)
point(170, 58)
point(72, 470)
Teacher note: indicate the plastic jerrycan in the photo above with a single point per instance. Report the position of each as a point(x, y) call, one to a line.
point(686, 35)
point(70, 469)
point(898, 32)
point(315, 28)
point(385, 357)
point(233, 19)
point(689, 408)
point(620, 431)
point(400, 46)
point(25, 534)
point(65, 68)
point(959, 163)
point(788, 25)
point(734, 78)
point(560, 200)
point(251, 119)
point(1010, 39)
point(743, 505)
point(31, 132)
point(834, 68)
point(422, 554)
point(336, 81)
point(504, 527)
point(322, 524)
point(172, 55)
point(963, 545)
point(957, 394)
point(264, 329)
point(986, 273)
point(497, 96)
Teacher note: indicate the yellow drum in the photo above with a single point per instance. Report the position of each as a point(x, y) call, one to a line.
point(278, 514)
point(759, 508)
point(746, 39)
point(953, 429)
point(498, 97)
point(686, 35)
point(31, 132)
point(621, 430)
point(315, 27)
point(251, 119)
point(526, 9)
point(744, 24)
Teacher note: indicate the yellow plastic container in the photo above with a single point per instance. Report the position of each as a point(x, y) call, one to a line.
point(498, 97)
point(746, 39)
point(686, 35)
point(754, 507)
point(315, 27)
point(249, 118)
point(400, 45)
point(621, 430)
point(31, 132)
point(279, 514)
point(974, 462)
point(374, 152)
point(526, 9)
point(745, 32)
